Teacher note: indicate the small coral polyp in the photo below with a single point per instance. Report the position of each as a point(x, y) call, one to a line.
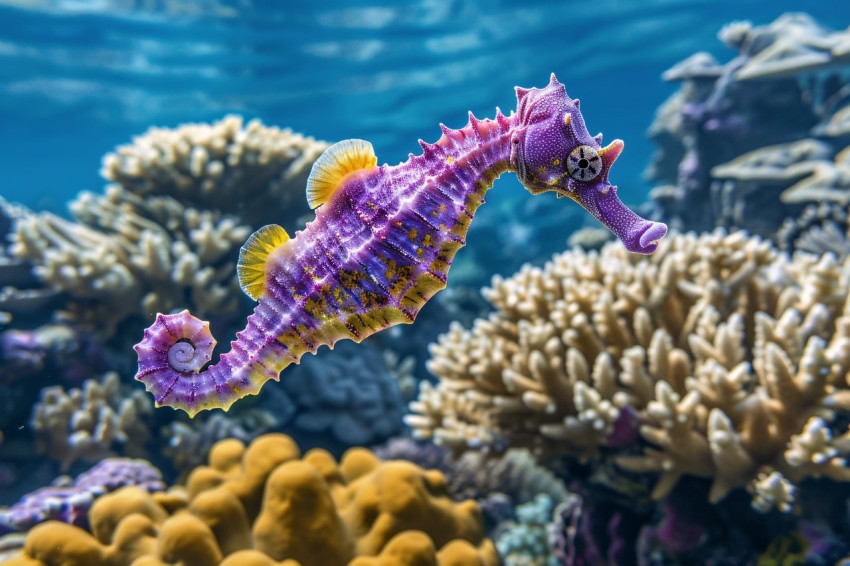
point(382, 243)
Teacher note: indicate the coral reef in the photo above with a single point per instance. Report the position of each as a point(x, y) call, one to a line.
point(718, 357)
point(70, 501)
point(261, 504)
point(22, 296)
point(91, 422)
point(347, 395)
point(498, 482)
point(26, 356)
point(259, 172)
point(821, 228)
point(747, 144)
point(189, 442)
point(157, 237)
point(127, 255)
point(525, 541)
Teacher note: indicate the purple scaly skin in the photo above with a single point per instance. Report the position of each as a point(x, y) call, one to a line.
point(382, 245)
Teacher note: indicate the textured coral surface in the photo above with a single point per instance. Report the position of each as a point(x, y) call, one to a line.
point(265, 505)
point(716, 357)
point(168, 228)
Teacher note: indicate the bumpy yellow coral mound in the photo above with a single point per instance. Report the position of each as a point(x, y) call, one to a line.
point(733, 357)
point(263, 506)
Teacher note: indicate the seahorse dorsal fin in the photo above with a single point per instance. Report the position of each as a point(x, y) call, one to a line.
point(251, 267)
point(334, 164)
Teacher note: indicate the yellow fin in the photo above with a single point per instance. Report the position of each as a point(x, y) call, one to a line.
point(251, 267)
point(336, 162)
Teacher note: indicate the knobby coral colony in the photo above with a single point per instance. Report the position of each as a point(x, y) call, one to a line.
point(381, 244)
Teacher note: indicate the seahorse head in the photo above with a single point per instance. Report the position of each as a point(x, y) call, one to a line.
point(553, 151)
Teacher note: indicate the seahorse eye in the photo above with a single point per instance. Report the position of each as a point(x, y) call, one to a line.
point(584, 163)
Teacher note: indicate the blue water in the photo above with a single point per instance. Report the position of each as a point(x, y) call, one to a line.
point(78, 77)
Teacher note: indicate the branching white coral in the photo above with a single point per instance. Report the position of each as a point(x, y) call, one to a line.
point(724, 349)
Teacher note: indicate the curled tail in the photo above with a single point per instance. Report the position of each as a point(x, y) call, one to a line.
point(172, 354)
point(176, 348)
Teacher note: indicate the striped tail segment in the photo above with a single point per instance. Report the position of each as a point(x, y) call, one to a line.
point(176, 348)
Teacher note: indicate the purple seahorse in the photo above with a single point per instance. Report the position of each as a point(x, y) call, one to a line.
point(381, 244)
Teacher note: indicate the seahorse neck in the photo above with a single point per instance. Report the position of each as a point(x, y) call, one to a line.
point(480, 151)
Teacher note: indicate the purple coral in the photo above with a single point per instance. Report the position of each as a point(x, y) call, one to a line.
point(70, 502)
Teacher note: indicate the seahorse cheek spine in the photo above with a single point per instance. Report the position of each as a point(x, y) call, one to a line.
point(380, 247)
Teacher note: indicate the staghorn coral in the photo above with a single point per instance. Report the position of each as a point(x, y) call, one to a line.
point(829, 181)
point(732, 357)
point(92, 422)
point(157, 237)
point(263, 505)
point(819, 229)
point(128, 255)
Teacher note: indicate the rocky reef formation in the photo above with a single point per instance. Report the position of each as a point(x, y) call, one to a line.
point(750, 143)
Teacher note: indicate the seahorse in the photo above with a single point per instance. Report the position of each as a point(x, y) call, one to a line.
point(381, 244)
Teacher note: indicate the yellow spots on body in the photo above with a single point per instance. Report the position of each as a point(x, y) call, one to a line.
point(450, 160)
point(412, 234)
point(568, 118)
point(419, 252)
point(426, 241)
point(350, 279)
point(391, 269)
point(556, 162)
point(439, 210)
point(402, 278)
point(398, 223)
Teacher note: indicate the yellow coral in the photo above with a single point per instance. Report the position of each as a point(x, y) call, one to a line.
point(263, 505)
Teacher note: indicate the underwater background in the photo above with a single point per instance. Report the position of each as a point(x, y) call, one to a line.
point(562, 401)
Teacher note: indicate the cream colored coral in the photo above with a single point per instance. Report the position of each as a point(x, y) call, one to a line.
point(91, 423)
point(773, 491)
point(257, 170)
point(723, 348)
point(159, 236)
point(129, 255)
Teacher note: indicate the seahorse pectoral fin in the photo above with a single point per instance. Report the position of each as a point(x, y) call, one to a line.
point(251, 267)
point(338, 161)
